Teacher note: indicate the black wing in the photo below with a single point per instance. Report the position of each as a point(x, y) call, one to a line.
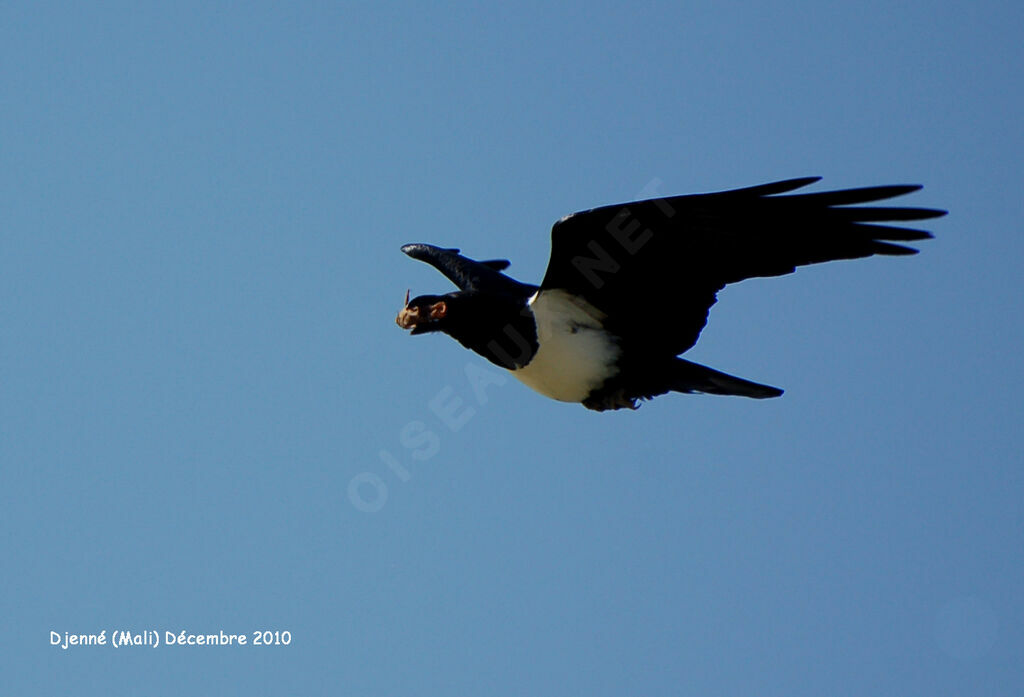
point(655, 267)
point(466, 273)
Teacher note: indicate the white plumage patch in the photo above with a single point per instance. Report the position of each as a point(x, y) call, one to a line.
point(575, 353)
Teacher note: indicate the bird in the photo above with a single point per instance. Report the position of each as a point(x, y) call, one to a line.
point(628, 287)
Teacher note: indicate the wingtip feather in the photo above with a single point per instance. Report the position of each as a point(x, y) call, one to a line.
point(893, 250)
point(779, 187)
point(419, 249)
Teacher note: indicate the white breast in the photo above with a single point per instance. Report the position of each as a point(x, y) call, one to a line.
point(575, 355)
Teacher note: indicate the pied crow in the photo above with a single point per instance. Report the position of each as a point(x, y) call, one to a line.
point(628, 287)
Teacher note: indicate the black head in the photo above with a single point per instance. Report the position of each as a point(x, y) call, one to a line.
point(498, 327)
point(428, 313)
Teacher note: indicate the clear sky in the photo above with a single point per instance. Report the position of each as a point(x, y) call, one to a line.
point(201, 206)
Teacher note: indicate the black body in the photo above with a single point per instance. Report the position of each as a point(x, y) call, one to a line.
point(651, 270)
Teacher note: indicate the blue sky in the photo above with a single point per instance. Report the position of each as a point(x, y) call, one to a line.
point(201, 206)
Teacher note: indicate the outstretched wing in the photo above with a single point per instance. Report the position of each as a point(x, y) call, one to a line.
point(466, 273)
point(654, 267)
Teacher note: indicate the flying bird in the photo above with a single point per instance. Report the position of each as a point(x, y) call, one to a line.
point(628, 287)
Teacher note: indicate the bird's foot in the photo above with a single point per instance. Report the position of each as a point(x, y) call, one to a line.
point(611, 400)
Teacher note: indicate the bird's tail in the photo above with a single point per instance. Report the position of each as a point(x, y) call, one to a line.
point(692, 377)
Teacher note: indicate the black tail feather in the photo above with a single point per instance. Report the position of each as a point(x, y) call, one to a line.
point(692, 377)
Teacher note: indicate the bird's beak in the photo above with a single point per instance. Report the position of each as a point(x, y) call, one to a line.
point(408, 317)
